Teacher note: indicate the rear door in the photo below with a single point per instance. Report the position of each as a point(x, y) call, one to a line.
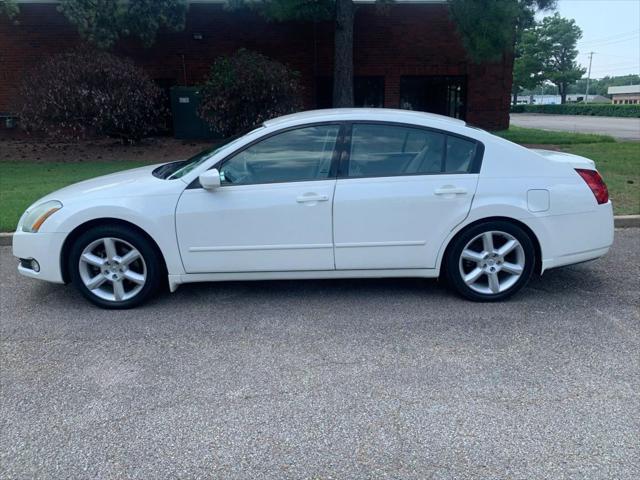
point(401, 189)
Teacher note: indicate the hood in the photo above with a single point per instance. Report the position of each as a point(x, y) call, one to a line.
point(576, 161)
point(134, 182)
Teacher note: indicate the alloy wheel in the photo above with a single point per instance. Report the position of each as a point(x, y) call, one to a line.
point(112, 269)
point(492, 262)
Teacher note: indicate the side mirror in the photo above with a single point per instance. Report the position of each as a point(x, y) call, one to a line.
point(210, 180)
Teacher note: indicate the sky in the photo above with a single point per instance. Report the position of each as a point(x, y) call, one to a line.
point(611, 29)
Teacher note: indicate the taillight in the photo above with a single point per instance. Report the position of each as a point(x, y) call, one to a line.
point(596, 184)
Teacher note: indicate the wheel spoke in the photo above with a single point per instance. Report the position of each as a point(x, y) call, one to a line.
point(473, 275)
point(512, 268)
point(96, 281)
point(92, 259)
point(507, 247)
point(110, 248)
point(494, 283)
point(487, 241)
point(132, 256)
point(118, 290)
point(134, 277)
point(472, 256)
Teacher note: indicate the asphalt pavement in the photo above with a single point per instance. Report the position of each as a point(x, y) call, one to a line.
point(351, 379)
point(620, 128)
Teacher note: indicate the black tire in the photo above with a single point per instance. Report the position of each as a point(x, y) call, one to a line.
point(453, 262)
point(150, 259)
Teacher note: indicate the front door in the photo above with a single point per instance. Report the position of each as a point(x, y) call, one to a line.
point(272, 211)
point(402, 190)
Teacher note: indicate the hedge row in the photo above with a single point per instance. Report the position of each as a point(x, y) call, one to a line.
point(601, 110)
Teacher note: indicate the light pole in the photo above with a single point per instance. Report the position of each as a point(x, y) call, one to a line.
point(586, 97)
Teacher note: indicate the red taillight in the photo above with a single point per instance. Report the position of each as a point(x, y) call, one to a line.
point(596, 184)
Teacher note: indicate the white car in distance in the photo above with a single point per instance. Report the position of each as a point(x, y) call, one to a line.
point(342, 193)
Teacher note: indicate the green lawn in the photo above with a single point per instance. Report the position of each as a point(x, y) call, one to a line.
point(21, 183)
point(532, 136)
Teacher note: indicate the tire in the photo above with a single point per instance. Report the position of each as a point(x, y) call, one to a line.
point(486, 274)
point(125, 278)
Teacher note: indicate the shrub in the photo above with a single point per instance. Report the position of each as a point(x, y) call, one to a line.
point(245, 90)
point(73, 95)
point(606, 110)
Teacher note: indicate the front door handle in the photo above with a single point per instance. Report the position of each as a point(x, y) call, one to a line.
point(450, 190)
point(312, 197)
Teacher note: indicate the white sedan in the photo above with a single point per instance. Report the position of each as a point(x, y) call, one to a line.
point(344, 193)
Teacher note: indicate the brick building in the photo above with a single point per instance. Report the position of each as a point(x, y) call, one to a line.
point(407, 56)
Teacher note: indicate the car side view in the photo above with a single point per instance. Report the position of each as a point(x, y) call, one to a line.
point(341, 193)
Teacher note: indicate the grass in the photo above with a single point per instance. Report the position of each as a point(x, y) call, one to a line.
point(22, 183)
point(533, 136)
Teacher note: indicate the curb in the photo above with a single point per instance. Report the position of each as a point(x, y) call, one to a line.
point(627, 221)
point(620, 221)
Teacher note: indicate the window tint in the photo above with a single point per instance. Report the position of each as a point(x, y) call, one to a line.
point(460, 155)
point(294, 155)
point(387, 150)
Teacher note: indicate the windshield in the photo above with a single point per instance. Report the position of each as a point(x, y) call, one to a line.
point(173, 170)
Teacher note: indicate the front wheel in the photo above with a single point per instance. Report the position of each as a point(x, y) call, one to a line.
point(490, 261)
point(114, 267)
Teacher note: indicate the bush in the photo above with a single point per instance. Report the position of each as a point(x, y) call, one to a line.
point(73, 95)
point(246, 89)
point(606, 110)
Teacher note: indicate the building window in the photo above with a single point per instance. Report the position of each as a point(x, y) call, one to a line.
point(445, 95)
point(368, 91)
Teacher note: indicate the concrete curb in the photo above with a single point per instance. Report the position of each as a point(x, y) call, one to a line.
point(627, 221)
point(621, 221)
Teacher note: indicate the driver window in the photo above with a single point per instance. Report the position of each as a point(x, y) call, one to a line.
point(295, 155)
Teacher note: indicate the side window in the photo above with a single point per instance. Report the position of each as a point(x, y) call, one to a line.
point(389, 150)
point(295, 155)
point(460, 155)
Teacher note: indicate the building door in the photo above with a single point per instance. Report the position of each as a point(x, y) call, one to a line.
point(444, 95)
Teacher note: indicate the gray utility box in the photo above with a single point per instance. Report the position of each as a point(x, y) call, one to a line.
point(184, 110)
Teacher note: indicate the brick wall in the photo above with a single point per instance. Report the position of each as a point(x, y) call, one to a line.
point(406, 39)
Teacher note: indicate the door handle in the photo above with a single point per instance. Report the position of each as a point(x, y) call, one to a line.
point(450, 190)
point(312, 197)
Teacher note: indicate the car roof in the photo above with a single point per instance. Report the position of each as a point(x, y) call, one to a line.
point(374, 114)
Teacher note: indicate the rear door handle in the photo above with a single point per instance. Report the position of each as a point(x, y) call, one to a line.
point(312, 197)
point(450, 190)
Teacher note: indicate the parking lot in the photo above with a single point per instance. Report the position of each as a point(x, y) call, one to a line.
point(327, 379)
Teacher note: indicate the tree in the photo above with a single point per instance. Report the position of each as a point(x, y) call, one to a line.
point(104, 22)
point(491, 28)
point(529, 62)
point(560, 35)
point(9, 8)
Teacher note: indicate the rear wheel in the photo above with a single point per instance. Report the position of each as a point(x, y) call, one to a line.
point(114, 267)
point(490, 261)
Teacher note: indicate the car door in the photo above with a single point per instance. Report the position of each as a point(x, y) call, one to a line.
point(400, 191)
point(272, 211)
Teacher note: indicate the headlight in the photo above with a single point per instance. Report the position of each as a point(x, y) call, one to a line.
point(35, 217)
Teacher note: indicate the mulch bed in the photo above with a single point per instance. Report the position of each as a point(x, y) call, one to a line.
point(17, 147)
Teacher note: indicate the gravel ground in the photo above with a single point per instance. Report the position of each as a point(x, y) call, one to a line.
point(358, 379)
